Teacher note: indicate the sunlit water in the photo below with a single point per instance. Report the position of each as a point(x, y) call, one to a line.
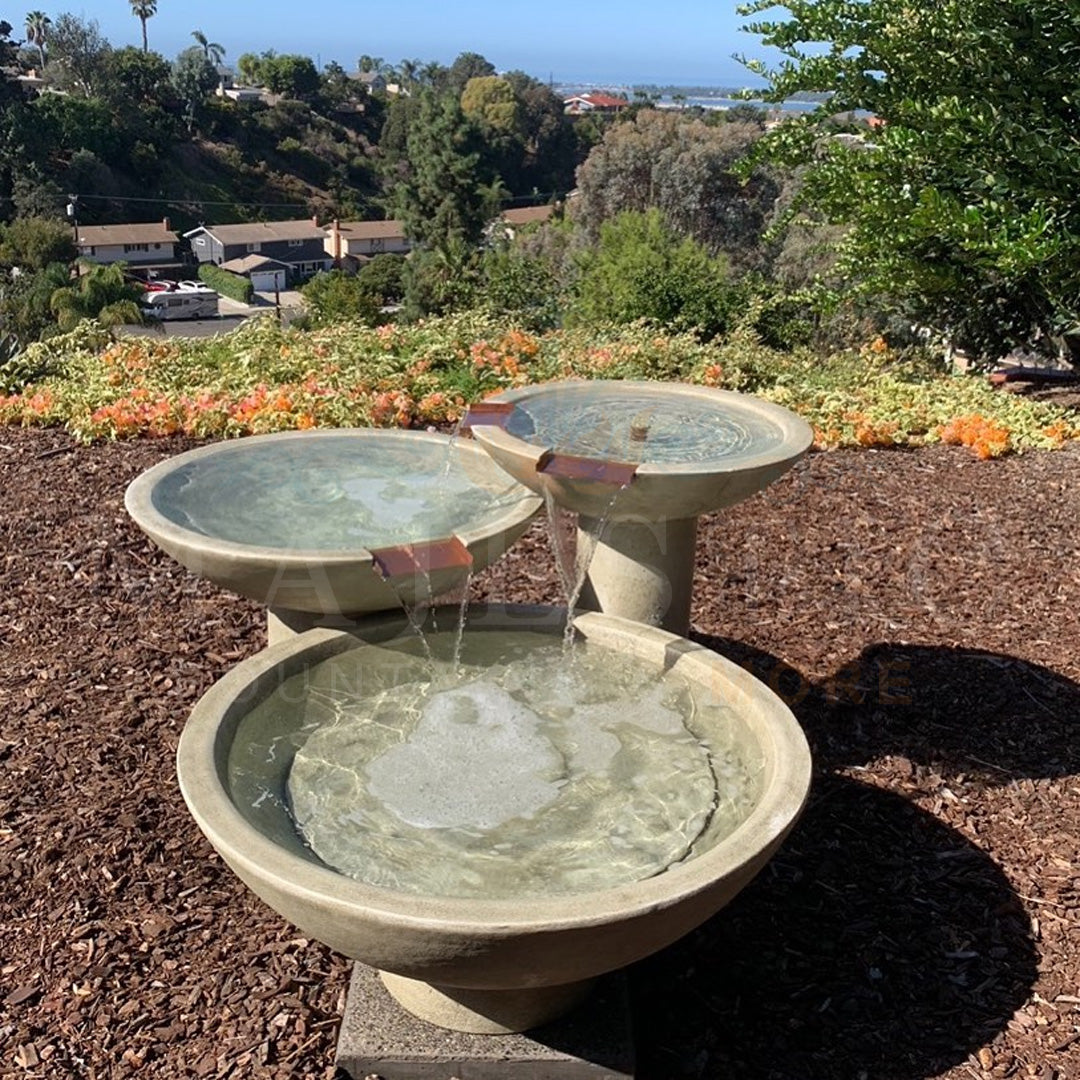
point(522, 776)
point(336, 493)
point(681, 428)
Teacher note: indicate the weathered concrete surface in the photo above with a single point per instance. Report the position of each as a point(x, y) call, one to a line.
point(594, 1042)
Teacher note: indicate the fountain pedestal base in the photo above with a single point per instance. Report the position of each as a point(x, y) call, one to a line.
point(592, 1042)
point(485, 1012)
point(640, 570)
point(285, 623)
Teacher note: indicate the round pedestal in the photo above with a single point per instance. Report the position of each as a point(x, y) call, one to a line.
point(484, 1012)
point(285, 623)
point(642, 571)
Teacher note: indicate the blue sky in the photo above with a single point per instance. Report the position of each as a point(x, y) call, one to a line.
point(683, 41)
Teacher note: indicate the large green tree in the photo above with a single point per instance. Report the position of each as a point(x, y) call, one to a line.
point(290, 74)
point(466, 66)
point(193, 78)
point(963, 202)
point(642, 269)
point(685, 168)
point(32, 243)
point(447, 194)
point(78, 53)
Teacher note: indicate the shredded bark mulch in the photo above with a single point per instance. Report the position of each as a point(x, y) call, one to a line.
point(918, 610)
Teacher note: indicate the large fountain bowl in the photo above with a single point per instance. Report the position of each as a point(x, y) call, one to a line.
point(257, 515)
point(705, 449)
point(511, 962)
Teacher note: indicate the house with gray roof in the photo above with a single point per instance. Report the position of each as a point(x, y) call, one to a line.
point(297, 244)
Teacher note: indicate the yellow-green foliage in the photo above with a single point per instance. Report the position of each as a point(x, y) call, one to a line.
point(264, 378)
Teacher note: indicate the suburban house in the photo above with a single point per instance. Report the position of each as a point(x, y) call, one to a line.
point(227, 88)
point(589, 103)
point(506, 225)
point(527, 215)
point(242, 93)
point(297, 245)
point(266, 274)
point(372, 81)
point(145, 245)
point(360, 240)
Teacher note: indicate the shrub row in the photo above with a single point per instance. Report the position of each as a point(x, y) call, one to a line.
point(228, 284)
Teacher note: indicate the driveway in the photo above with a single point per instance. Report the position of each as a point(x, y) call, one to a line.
point(185, 328)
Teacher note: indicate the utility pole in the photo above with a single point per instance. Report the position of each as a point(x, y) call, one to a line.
point(73, 214)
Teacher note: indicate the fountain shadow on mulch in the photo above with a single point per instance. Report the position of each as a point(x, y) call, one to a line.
point(989, 716)
point(879, 942)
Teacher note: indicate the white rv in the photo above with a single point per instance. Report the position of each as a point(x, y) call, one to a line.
point(169, 304)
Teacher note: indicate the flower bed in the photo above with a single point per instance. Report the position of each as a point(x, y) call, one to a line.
point(263, 378)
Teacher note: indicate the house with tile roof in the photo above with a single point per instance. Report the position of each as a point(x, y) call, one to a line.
point(509, 222)
point(590, 103)
point(299, 245)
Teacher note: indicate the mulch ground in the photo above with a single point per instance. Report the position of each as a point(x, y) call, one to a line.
point(919, 612)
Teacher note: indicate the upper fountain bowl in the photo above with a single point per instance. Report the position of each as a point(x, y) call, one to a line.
point(302, 520)
point(680, 450)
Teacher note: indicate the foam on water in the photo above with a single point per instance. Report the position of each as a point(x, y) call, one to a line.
point(524, 775)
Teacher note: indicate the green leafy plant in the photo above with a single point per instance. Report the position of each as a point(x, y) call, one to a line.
point(228, 284)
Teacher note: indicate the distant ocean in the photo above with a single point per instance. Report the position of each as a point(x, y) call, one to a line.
point(665, 101)
point(730, 103)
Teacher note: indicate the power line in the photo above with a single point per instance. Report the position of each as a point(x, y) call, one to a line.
point(180, 201)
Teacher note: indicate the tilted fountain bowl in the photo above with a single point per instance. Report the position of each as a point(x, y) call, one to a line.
point(639, 462)
point(510, 956)
point(298, 520)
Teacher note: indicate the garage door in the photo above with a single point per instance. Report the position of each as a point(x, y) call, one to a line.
point(267, 280)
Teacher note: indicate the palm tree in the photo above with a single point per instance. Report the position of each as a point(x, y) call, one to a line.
point(144, 10)
point(37, 31)
point(102, 293)
point(409, 73)
point(213, 52)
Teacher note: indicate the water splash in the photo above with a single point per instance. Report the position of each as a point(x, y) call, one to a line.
point(573, 569)
point(459, 630)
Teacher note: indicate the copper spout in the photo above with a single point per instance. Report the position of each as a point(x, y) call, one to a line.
point(487, 413)
point(407, 560)
point(569, 467)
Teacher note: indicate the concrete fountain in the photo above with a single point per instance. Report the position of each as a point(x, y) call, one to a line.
point(490, 820)
point(639, 462)
point(494, 837)
point(324, 527)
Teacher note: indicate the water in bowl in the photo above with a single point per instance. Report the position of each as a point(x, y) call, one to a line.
point(520, 775)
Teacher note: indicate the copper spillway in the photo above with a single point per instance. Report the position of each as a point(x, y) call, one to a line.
point(489, 413)
point(406, 560)
point(569, 467)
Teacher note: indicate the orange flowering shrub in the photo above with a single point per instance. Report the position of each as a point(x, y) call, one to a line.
point(988, 438)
